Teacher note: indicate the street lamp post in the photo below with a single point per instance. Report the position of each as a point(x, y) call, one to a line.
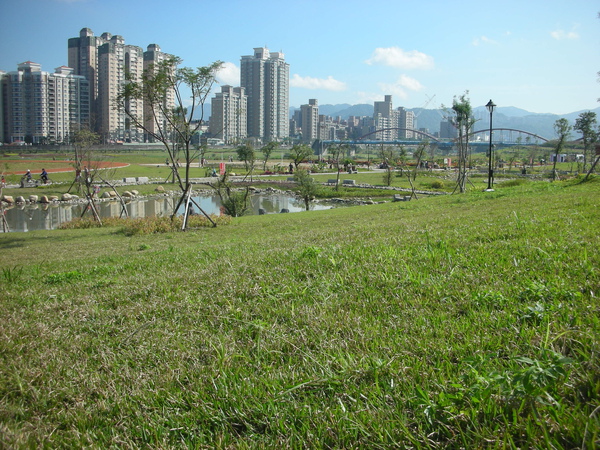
point(490, 107)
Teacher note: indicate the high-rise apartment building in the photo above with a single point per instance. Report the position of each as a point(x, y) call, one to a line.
point(40, 107)
point(265, 76)
point(406, 121)
point(310, 120)
point(152, 57)
point(228, 115)
point(105, 60)
point(385, 119)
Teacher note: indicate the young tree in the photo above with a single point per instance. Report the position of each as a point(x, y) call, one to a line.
point(418, 155)
point(87, 167)
point(236, 203)
point(388, 158)
point(170, 116)
point(307, 187)
point(299, 153)
point(463, 120)
point(586, 125)
point(563, 131)
point(246, 154)
point(336, 151)
point(266, 151)
point(512, 159)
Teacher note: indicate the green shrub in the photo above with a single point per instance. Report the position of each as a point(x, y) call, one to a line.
point(512, 183)
point(437, 184)
point(146, 225)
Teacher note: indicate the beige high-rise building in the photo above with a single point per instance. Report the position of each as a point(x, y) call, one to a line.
point(266, 77)
point(228, 115)
point(385, 119)
point(310, 120)
point(406, 120)
point(152, 57)
point(105, 60)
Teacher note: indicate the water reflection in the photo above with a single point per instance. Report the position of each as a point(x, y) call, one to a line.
point(51, 216)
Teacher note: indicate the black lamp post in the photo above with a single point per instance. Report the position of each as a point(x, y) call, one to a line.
point(490, 107)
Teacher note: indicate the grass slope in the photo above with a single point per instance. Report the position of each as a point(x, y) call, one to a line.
point(456, 321)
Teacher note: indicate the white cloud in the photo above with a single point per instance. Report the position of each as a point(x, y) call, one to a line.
point(400, 87)
point(367, 97)
point(229, 74)
point(560, 35)
point(396, 57)
point(483, 40)
point(328, 84)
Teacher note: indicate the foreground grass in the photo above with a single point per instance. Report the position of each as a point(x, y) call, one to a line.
point(457, 321)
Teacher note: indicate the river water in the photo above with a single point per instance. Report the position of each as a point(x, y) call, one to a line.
point(51, 216)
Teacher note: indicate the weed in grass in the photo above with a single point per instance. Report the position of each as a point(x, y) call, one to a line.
point(533, 314)
point(143, 247)
point(64, 277)
point(512, 183)
point(12, 275)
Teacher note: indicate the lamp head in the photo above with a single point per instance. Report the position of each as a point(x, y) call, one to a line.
point(490, 106)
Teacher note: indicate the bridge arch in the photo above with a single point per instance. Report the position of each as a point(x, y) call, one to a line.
point(514, 130)
point(421, 133)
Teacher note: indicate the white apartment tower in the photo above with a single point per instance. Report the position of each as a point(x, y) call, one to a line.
point(310, 120)
point(228, 115)
point(266, 78)
point(406, 119)
point(40, 107)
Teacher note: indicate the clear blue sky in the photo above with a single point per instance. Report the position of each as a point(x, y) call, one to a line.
point(538, 55)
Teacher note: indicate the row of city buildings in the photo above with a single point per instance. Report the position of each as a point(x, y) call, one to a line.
point(42, 107)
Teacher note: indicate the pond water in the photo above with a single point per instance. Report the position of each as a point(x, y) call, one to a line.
point(51, 216)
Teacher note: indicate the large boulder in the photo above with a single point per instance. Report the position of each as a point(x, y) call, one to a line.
point(44, 199)
point(53, 198)
point(105, 194)
point(66, 197)
point(8, 199)
point(127, 194)
point(33, 198)
point(20, 199)
point(159, 189)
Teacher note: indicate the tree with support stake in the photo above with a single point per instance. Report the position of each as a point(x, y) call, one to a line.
point(169, 116)
point(463, 120)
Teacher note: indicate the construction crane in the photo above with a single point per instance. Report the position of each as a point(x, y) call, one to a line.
point(429, 100)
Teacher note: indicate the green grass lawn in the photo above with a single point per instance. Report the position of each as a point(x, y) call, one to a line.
point(461, 321)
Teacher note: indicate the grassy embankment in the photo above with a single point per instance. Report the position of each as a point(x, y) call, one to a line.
point(459, 321)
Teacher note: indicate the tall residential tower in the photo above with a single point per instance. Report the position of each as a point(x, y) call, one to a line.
point(39, 107)
point(104, 61)
point(265, 76)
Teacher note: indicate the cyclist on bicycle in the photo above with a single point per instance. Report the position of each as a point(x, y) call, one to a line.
point(44, 176)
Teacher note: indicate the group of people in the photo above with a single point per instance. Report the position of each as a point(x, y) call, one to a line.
point(28, 177)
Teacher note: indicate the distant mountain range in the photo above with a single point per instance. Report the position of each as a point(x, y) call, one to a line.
point(504, 117)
